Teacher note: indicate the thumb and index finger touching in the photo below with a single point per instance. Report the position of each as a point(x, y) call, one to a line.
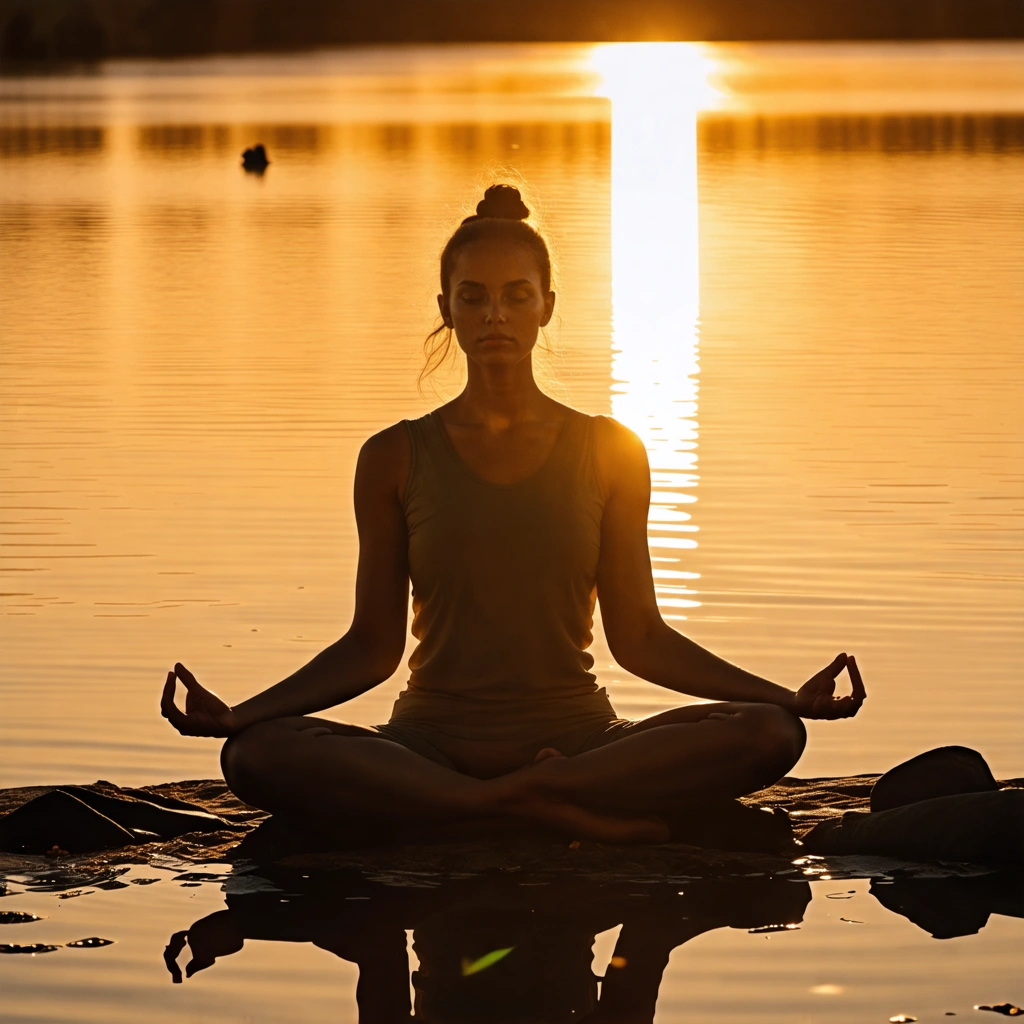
point(168, 708)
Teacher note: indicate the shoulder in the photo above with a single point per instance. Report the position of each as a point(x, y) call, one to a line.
point(620, 457)
point(384, 459)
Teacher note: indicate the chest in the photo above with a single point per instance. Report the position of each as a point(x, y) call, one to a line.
point(505, 457)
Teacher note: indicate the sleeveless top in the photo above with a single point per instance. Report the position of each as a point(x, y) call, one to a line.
point(503, 590)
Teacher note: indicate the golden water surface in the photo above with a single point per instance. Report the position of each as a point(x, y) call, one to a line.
point(796, 271)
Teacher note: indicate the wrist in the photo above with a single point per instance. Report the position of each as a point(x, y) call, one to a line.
point(787, 700)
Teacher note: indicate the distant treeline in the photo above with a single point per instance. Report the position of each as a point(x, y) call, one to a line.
point(93, 29)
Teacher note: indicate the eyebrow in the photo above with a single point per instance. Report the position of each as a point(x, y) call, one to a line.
point(507, 284)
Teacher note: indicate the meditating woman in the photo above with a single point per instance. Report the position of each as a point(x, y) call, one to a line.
point(510, 514)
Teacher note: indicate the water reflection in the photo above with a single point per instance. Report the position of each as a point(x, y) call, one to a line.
point(890, 133)
point(492, 950)
point(528, 949)
point(656, 92)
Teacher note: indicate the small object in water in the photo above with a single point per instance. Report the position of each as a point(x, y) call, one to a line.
point(93, 942)
point(56, 851)
point(850, 920)
point(255, 159)
point(112, 883)
point(35, 947)
point(191, 885)
point(17, 917)
point(901, 1018)
point(841, 895)
point(1006, 1009)
point(574, 845)
point(143, 881)
point(72, 893)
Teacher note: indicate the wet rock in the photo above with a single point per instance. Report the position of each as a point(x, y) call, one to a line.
point(255, 159)
point(17, 917)
point(35, 947)
point(1006, 1009)
point(60, 819)
point(944, 771)
point(980, 828)
point(94, 942)
point(143, 881)
point(148, 818)
point(74, 819)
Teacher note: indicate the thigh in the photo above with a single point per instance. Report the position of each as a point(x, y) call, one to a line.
point(621, 728)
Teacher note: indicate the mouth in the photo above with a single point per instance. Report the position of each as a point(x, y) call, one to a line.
point(496, 337)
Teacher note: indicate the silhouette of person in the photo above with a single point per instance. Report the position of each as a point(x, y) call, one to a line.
point(511, 514)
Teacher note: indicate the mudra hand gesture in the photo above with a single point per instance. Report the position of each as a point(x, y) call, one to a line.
point(205, 713)
point(816, 698)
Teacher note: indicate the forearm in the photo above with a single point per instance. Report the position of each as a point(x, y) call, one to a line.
point(340, 672)
point(669, 659)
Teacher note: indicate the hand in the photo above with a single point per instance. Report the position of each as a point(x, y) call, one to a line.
point(816, 698)
point(205, 713)
point(209, 938)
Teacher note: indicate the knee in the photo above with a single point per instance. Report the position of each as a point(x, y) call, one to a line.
point(246, 758)
point(777, 737)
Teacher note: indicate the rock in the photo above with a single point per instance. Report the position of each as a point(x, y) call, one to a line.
point(35, 947)
point(981, 828)
point(149, 817)
point(93, 942)
point(255, 159)
point(78, 820)
point(944, 771)
point(60, 819)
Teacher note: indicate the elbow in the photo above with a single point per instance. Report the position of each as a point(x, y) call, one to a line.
point(379, 656)
point(634, 648)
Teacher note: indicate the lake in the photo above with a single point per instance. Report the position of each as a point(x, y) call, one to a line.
point(794, 270)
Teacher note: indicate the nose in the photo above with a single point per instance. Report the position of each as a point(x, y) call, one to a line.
point(495, 313)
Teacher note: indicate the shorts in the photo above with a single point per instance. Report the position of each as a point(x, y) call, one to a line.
point(436, 746)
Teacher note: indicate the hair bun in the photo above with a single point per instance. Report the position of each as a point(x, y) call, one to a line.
point(503, 202)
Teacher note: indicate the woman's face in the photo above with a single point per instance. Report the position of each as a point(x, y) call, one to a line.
point(496, 304)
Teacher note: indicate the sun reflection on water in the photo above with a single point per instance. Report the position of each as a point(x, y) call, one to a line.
point(656, 91)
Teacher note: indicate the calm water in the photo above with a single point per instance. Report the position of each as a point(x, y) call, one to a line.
point(290, 948)
point(796, 271)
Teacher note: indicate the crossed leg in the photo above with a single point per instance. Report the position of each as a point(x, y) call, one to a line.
point(325, 772)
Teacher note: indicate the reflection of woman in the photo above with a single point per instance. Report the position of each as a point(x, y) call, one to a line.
point(510, 513)
point(491, 951)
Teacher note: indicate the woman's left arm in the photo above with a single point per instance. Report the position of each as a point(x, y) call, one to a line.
point(639, 638)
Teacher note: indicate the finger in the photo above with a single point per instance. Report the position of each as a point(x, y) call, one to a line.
point(171, 952)
point(859, 693)
point(836, 666)
point(171, 712)
point(167, 697)
point(190, 681)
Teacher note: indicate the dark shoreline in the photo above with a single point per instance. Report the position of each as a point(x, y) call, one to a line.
point(807, 801)
point(62, 30)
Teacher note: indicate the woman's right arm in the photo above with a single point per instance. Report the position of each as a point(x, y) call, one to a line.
point(370, 650)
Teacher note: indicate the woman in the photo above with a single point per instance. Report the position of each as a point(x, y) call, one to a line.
point(510, 513)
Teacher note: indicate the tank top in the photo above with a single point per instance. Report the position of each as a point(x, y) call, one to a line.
point(503, 590)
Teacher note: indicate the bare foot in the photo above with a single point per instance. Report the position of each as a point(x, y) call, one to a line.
point(517, 795)
point(580, 823)
point(543, 755)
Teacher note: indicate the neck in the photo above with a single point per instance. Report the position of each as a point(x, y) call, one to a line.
point(501, 396)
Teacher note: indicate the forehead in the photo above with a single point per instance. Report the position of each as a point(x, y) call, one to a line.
point(494, 263)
